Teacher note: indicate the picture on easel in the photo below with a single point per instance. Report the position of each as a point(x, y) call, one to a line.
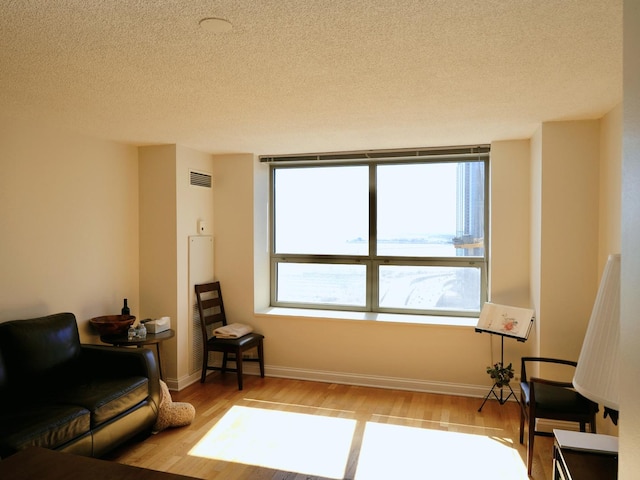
point(505, 320)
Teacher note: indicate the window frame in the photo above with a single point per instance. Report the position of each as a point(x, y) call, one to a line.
point(372, 261)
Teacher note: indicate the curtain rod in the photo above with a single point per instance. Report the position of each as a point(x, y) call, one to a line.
point(475, 152)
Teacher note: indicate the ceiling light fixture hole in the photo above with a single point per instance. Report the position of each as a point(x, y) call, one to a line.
point(215, 25)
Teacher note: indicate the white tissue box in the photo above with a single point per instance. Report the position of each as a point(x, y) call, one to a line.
point(158, 325)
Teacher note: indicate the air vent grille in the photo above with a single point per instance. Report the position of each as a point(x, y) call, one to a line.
point(200, 179)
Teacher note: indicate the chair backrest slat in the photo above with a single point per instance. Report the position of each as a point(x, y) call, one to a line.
point(210, 306)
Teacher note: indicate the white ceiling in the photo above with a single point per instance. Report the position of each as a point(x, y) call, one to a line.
point(297, 76)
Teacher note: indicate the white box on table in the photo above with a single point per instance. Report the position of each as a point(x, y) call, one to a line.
point(159, 325)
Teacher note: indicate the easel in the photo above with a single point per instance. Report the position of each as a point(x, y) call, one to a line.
point(500, 399)
point(487, 324)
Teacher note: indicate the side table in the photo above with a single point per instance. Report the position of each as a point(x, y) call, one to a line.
point(122, 340)
point(584, 456)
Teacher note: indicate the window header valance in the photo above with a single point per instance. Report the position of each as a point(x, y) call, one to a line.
point(476, 152)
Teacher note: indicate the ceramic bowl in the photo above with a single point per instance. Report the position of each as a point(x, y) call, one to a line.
point(112, 324)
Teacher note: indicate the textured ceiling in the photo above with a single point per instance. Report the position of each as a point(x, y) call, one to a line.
point(297, 76)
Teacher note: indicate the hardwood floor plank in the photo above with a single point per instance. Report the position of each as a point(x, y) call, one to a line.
point(366, 407)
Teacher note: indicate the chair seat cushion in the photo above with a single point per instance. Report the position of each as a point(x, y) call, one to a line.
point(249, 339)
point(554, 399)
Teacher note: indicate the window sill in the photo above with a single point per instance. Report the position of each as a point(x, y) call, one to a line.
point(369, 316)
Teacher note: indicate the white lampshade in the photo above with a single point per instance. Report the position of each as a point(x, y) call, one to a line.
point(596, 376)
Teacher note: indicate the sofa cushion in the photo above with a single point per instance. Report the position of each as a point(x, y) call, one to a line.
point(39, 348)
point(106, 398)
point(48, 426)
point(3, 374)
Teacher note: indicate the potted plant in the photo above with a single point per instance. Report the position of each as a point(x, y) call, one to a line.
point(500, 374)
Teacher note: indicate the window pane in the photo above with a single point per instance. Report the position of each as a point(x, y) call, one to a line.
point(322, 210)
point(328, 284)
point(430, 210)
point(430, 288)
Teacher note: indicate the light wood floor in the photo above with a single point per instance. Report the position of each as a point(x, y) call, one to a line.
point(425, 414)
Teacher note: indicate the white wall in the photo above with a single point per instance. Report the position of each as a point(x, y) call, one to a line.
point(68, 224)
point(630, 299)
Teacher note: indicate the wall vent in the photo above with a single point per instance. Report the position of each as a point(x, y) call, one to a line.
point(199, 179)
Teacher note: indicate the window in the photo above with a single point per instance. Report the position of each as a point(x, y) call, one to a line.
point(400, 231)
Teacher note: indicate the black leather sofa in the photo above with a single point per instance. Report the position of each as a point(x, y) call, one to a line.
point(60, 394)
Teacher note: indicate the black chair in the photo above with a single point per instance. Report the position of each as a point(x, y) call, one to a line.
point(553, 400)
point(212, 316)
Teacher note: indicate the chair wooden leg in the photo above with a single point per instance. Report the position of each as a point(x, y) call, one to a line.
point(224, 362)
point(239, 368)
point(205, 363)
point(261, 358)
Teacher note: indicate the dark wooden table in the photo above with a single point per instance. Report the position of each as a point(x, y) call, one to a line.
point(43, 464)
point(571, 463)
point(122, 340)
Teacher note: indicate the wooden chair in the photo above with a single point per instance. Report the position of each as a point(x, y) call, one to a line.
point(553, 400)
point(212, 316)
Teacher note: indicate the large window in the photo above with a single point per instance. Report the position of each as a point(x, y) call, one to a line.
point(397, 232)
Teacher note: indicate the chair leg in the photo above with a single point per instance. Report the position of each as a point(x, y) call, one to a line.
point(205, 363)
point(239, 368)
point(261, 358)
point(224, 362)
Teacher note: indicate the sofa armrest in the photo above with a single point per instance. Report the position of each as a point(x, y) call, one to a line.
point(118, 361)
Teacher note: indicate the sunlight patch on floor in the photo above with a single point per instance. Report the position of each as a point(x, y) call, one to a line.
point(392, 451)
point(293, 442)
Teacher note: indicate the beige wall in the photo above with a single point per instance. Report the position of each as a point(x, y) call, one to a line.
point(233, 212)
point(510, 226)
point(365, 351)
point(510, 223)
point(564, 205)
point(76, 240)
point(170, 209)
point(72, 239)
point(535, 254)
point(158, 242)
point(68, 224)
point(193, 204)
point(544, 229)
point(610, 194)
point(630, 299)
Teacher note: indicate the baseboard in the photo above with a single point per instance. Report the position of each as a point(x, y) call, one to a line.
point(544, 425)
point(183, 382)
point(416, 385)
point(344, 378)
